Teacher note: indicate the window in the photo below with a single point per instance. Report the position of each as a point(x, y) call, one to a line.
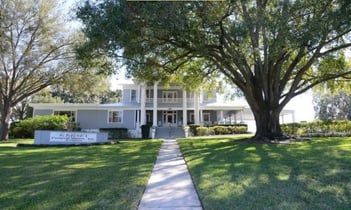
point(148, 117)
point(170, 117)
point(133, 94)
point(169, 96)
point(149, 93)
point(115, 116)
point(70, 114)
point(205, 97)
point(206, 117)
point(191, 118)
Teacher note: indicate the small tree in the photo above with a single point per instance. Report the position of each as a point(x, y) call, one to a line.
point(332, 99)
point(22, 110)
point(332, 106)
point(81, 87)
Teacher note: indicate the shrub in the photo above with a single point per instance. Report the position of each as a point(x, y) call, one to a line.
point(145, 131)
point(26, 128)
point(18, 132)
point(290, 129)
point(202, 131)
point(220, 130)
point(240, 129)
point(321, 128)
point(116, 133)
point(211, 131)
point(231, 129)
point(192, 130)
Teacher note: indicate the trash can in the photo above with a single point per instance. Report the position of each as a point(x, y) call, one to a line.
point(145, 131)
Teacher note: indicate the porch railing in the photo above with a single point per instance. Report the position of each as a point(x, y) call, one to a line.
point(174, 102)
point(167, 102)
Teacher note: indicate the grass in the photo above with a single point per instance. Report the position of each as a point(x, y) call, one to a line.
point(89, 177)
point(314, 174)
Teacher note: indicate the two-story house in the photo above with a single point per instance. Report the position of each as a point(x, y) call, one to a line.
point(152, 104)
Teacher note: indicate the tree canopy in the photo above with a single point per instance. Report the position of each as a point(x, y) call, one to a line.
point(84, 87)
point(332, 106)
point(268, 49)
point(35, 51)
point(332, 98)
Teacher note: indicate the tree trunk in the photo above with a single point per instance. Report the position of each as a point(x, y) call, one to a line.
point(5, 116)
point(267, 125)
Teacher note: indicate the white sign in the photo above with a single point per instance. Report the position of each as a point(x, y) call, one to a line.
point(56, 136)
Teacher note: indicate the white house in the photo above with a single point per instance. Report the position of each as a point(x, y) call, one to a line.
point(158, 106)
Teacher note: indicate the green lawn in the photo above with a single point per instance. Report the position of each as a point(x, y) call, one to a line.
point(315, 174)
point(90, 177)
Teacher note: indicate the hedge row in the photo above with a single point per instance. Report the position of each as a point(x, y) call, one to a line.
point(26, 128)
point(317, 128)
point(116, 133)
point(197, 130)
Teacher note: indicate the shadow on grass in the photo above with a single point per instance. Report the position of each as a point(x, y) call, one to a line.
point(94, 177)
point(308, 175)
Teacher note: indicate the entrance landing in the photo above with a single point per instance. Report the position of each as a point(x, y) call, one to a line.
point(169, 132)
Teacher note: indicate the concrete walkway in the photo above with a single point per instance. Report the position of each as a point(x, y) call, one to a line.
point(170, 186)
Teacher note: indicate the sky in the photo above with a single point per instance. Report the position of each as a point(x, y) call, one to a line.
point(303, 107)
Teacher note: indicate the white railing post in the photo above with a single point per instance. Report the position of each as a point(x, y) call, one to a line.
point(154, 117)
point(196, 108)
point(185, 119)
point(142, 105)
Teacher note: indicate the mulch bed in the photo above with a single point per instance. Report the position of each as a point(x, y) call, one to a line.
point(66, 145)
point(287, 140)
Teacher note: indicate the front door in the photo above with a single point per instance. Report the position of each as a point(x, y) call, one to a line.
point(170, 117)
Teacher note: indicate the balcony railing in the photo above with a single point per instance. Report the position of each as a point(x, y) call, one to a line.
point(167, 102)
point(172, 102)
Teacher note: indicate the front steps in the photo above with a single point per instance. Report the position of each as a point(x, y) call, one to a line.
point(169, 132)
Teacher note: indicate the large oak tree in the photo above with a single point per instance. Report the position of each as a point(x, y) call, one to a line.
point(267, 48)
point(35, 52)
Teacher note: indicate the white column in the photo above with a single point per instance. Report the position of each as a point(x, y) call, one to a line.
point(154, 117)
point(293, 115)
point(185, 119)
point(201, 116)
point(201, 96)
point(138, 96)
point(196, 108)
point(142, 105)
point(137, 118)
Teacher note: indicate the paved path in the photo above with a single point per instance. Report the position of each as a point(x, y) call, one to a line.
point(170, 186)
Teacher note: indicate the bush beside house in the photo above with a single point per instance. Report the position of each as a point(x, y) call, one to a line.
point(145, 131)
point(116, 133)
point(26, 128)
point(318, 128)
point(197, 130)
